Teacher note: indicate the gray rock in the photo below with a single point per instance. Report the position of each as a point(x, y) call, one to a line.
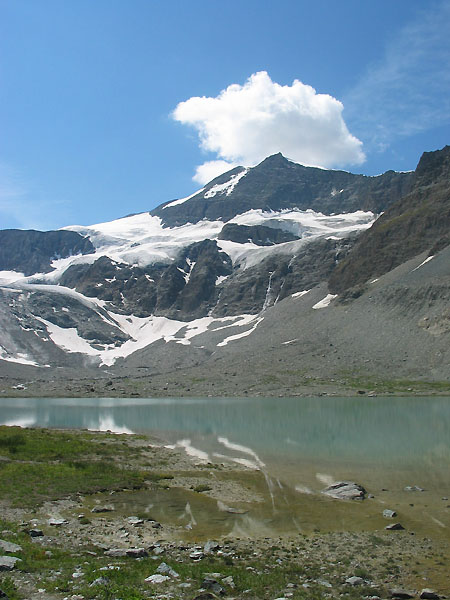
point(99, 581)
point(354, 580)
point(196, 555)
point(345, 490)
point(210, 546)
point(101, 509)
point(116, 552)
point(427, 594)
point(7, 563)
point(9, 546)
point(136, 552)
point(57, 522)
point(401, 594)
point(157, 578)
point(165, 569)
point(389, 514)
point(212, 584)
point(394, 527)
point(229, 581)
point(35, 533)
point(135, 521)
point(413, 488)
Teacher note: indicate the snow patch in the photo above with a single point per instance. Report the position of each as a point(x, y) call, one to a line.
point(182, 200)
point(238, 336)
point(423, 263)
point(20, 358)
point(227, 187)
point(325, 301)
point(9, 276)
point(300, 294)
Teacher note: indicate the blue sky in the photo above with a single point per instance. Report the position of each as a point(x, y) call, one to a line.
point(110, 107)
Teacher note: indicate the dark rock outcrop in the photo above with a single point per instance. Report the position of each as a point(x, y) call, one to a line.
point(258, 234)
point(33, 251)
point(277, 183)
point(416, 223)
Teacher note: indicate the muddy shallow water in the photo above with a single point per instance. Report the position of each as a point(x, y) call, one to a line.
point(295, 447)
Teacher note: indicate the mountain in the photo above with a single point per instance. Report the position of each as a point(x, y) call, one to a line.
point(266, 280)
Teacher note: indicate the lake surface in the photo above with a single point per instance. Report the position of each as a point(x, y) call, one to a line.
point(302, 444)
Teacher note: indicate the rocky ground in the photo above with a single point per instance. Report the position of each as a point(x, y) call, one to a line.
point(95, 537)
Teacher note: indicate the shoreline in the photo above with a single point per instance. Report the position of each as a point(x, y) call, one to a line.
point(92, 530)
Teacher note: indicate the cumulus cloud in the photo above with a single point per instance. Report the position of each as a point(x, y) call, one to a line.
point(211, 169)
point(246, 123)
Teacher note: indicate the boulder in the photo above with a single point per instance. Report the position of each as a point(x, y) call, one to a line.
point(427, 594)
point(345, 490)
point(157, 578)
point(401, 594)
point(9, 546)
point(7, 563)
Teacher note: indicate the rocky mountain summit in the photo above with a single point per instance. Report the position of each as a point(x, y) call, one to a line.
point(323, 272)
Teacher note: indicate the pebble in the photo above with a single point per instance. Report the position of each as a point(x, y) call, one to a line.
point(105, 508)
point(394, 527)
point(389, 514)
point(354, 580)
point(196, 555)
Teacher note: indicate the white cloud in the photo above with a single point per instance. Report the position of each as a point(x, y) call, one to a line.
point(246, 123)
point(407, 90)
point(211, 169)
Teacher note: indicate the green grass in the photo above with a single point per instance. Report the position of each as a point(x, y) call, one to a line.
point(28, 485)
point(48, 445)
point(48, 465)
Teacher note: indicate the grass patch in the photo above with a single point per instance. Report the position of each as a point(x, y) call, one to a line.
point(28, 485)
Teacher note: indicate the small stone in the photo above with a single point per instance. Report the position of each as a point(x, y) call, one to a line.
point(136, 552)
point(211, 584)
point(9, 546)
point(7, 563)
point(157, 578)
point(35, 533)
point(324, 583)
point(401, 594)
point(413, 488)
point(165, 569)
point(116, 552)
point(389, 514)
point(57, 522)
point(99, 581)
point(354, 580)
point(230, 582)
point(156, 525)
point(158, 550)
point(210, 547)
point(135, 521)
point(101, 509)
point(427, 594)
point(394, 527)
point(196, 555)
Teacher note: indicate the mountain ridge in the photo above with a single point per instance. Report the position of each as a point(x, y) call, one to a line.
point(264, 284)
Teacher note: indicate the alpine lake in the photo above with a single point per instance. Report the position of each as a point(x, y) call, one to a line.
point(287, 451)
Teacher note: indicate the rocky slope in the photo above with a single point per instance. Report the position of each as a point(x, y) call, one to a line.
point(419, 222)
point(234, 279)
